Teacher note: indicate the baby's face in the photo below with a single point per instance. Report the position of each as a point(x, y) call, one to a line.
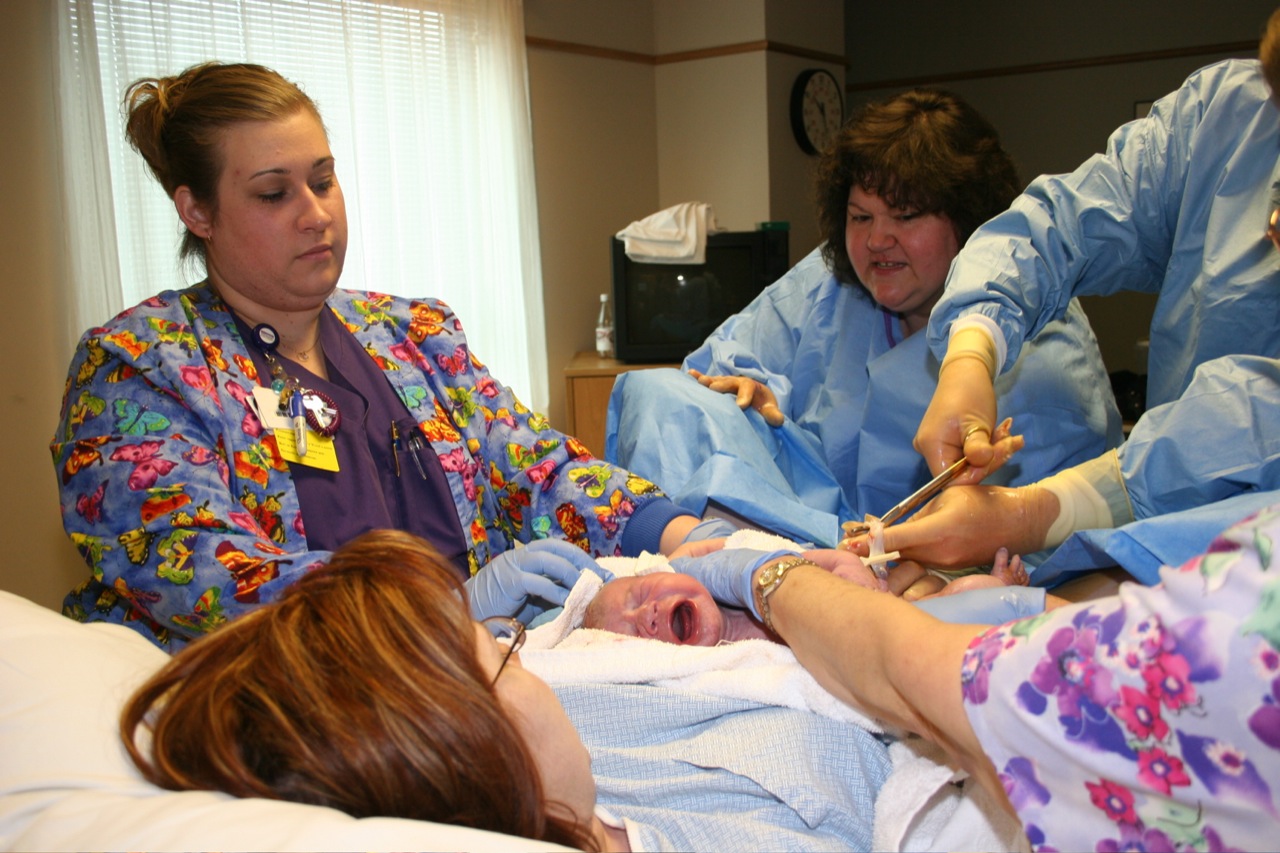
point(665, 606)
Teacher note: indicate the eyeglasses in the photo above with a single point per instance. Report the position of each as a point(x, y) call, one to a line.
point(1273, 228)
point(508, 630)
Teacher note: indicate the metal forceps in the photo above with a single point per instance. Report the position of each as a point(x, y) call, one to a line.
point(917, 498)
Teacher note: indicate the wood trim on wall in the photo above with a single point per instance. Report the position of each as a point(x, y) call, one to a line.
point(1241, 47)
point(1246, 47)
point(588, 50)
point(682, 56)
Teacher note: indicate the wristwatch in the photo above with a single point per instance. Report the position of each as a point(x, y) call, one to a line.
point(768, 582)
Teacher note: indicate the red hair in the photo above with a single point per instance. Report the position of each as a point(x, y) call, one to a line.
point(360, 689)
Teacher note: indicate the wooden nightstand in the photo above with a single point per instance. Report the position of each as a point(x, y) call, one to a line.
point(588, 382)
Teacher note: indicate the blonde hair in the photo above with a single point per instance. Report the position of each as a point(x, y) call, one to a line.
point(360, 689)
point(176, 123)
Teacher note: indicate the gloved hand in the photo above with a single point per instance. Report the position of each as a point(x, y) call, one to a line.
point(962, 414)
point(525, 582)
point(727, 573)
point(965, 525)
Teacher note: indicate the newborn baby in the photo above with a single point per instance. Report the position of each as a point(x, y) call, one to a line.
point(670, 607)
point(676, 608)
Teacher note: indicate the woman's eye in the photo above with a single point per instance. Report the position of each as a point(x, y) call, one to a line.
point(908, 216)
point(272, 198)
point(323, 186)
point(858, 218)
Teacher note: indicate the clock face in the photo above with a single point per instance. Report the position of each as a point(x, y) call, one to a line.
point(817, 110)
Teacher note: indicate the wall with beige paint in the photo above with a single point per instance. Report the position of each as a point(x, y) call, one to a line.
point(659, 128)
point(39, 561)
point(1052, 120)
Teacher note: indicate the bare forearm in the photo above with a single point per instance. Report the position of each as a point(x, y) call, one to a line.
point(884, 656)
point(675, 532)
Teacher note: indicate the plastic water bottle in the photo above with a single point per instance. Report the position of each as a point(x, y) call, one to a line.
point(604, 328)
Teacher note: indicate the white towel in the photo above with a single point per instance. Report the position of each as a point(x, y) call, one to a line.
point(926, 805)
point(754, 670)
point(677, 235)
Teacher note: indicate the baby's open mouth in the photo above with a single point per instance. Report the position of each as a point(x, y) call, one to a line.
point(682, 622)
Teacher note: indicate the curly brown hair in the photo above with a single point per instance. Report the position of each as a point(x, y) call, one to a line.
point(1269, 54)
point(923, 149)
point(359, 689)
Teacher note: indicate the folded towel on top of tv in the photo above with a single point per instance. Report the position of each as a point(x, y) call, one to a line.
point(677, 235)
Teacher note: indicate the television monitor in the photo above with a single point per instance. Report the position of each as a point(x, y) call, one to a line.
point(662, 312)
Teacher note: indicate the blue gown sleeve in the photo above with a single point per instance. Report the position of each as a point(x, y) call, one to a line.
point(1108, 226)
point(1221, 438)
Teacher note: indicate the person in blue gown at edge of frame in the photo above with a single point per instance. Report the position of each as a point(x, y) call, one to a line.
point(1182, 204)
point(797, 414)
point(195, 495)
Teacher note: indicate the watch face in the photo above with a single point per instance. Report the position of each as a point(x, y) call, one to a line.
point(817, 110)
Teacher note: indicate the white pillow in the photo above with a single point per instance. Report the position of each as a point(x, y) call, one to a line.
point(66, 782)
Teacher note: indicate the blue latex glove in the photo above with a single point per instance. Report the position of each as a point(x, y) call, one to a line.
point(711, 528)
point(525, 582)
point(727, 573)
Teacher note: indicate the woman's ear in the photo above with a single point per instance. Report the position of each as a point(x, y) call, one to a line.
point(194, 214)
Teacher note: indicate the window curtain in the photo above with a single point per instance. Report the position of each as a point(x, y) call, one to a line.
point(426, 104)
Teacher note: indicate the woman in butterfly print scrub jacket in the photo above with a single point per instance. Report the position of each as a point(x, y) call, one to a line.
point(216, 442)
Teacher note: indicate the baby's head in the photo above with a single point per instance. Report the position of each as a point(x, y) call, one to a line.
point(667, 606)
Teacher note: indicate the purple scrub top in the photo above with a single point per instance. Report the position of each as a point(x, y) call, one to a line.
point(367, 493)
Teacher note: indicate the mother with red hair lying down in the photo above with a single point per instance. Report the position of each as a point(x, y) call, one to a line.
point(364, 688)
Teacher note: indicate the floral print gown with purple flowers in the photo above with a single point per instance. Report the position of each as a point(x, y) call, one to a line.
point(1150, 720)
point(188, 514)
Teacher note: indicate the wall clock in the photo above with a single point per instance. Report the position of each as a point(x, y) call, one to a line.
point(817, 110)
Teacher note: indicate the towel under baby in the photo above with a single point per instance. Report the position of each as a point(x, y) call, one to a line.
point(920, 805)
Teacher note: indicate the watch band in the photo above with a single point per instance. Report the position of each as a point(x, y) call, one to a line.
point(768, 584)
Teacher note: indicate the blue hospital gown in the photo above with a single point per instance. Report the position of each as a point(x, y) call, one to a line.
point(1149, 720)
point(701, 772)
point(1176, 206)
point(853, 392)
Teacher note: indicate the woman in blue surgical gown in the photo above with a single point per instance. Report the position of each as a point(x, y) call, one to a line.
point(1179, 205)
point(826, 365)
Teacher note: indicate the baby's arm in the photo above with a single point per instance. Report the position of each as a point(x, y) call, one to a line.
point(1006, 570)
point(740, 625)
